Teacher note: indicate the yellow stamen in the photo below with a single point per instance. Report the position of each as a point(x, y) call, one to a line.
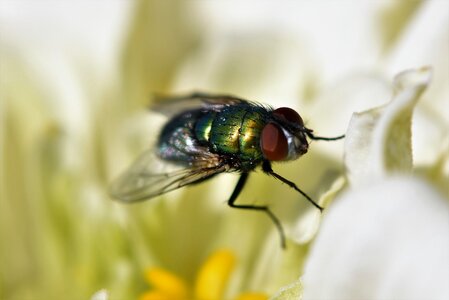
point(157, 295)
point(252, 296)
point(213, 275)
point(165, 283)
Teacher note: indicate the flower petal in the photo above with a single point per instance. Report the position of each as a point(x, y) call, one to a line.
point(378, 141)
point(291, 291)
point(387, 240)
point(100, 295)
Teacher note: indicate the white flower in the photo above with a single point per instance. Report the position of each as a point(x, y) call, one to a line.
point(71, 87)
point(383, 240)
point(386, 237)
point(100, 295)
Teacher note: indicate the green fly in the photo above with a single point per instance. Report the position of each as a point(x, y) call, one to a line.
point(211, 134)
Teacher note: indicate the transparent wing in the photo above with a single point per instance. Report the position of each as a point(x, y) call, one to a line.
point(171, 105)
point(150, 176)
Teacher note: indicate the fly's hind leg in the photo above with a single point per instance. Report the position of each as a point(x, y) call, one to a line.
point(231, 202)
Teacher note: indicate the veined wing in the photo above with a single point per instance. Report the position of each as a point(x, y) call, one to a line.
point(150, 176)
point(172, 105)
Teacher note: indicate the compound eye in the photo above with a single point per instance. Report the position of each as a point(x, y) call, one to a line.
point(274, 144)
point(289, 115)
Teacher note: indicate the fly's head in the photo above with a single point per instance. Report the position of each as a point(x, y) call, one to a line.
point(284, 137)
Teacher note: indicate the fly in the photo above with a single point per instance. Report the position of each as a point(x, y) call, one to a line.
point(211, 134)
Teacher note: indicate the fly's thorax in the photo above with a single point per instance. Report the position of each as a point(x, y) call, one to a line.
point(252, 126)
point(233, 131)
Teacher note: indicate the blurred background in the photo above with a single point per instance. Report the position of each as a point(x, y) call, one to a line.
point(76, 79)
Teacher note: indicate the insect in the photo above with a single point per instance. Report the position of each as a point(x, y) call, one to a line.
point(210, 134)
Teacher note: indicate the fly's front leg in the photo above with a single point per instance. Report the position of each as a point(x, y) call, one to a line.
point(231, 202)
point(266, 167)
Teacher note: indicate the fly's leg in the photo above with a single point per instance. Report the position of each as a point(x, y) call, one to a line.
point(266, 167)
point(231, 202)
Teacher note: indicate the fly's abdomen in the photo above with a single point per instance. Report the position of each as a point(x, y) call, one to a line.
point(177, 141)
point(203, 127)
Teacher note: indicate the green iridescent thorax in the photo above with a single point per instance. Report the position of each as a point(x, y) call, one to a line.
point(250, 135)
point(235, 130)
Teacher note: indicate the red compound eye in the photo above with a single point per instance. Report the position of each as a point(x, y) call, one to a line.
point(273, 143)
point(289, 115)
